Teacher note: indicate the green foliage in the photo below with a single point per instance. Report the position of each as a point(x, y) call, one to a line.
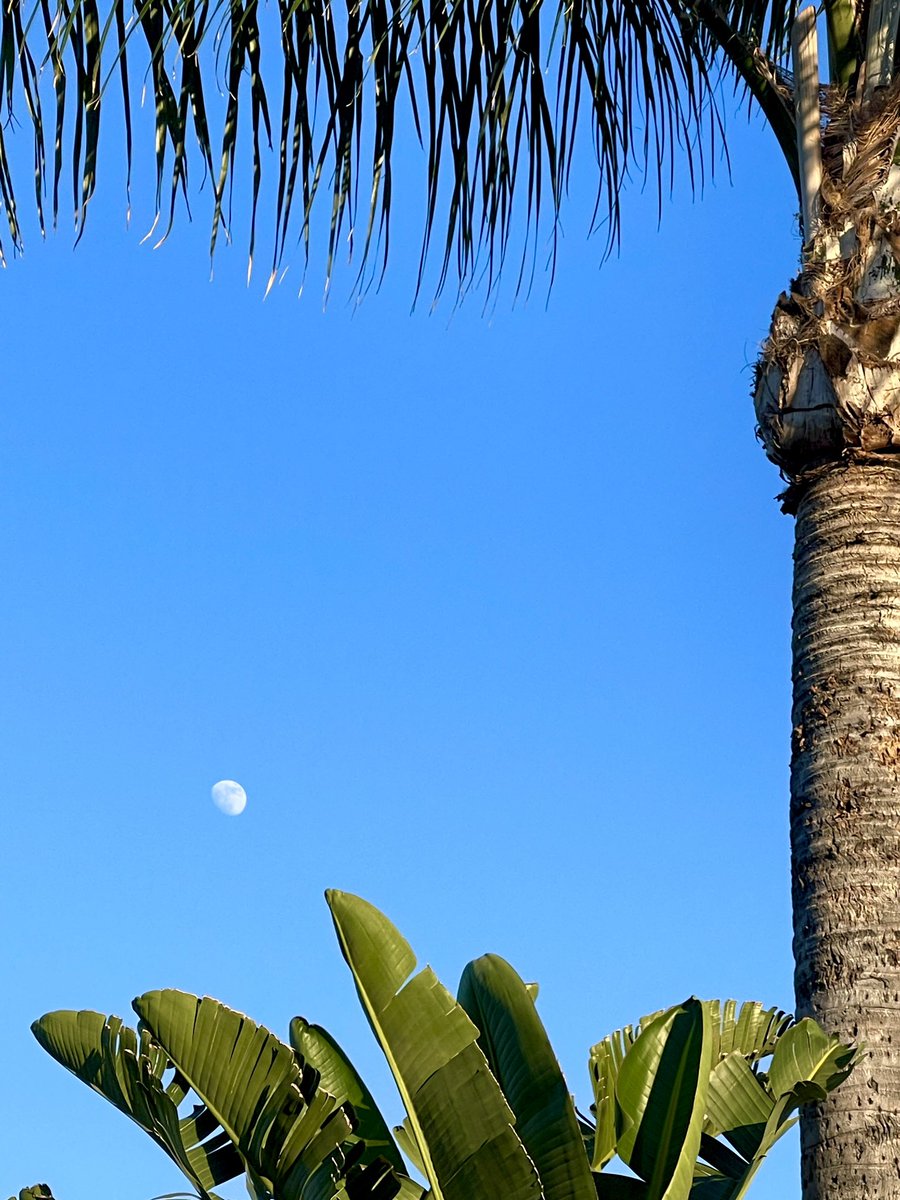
point(690, 1100)
point(252, 1104)
point(40, 1191)
point(127, 1068)
point(744, 1109)
point(520, 1056)
point(338, 1076)
point(494, 90)
point(290, 1133)
point(467, 1149)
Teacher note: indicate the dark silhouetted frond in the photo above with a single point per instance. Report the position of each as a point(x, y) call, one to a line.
point(498, 93)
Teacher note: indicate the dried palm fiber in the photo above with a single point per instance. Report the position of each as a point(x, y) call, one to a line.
point(828, 379)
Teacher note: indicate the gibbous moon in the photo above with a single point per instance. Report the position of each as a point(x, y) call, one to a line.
point(229, 797)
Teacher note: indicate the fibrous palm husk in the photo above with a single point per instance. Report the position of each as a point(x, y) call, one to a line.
point(828, 379)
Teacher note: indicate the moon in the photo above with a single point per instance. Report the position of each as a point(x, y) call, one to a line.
point(229, 797)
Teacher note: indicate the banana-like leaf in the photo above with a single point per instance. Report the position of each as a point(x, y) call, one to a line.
point(338, 1076)
point(606, 1058)
point(292, 1135)
point(712, 1187)
point(747, 1109)
point(604, 1069)
point(739, 1105)
point(128, 1069)
point(753, 1109)
point(751, 1030)
point(807, 1055)
point(661, 1095)
point(718, 1159)
point(461, 1122)
point(619, 1187)
point(521, 1058)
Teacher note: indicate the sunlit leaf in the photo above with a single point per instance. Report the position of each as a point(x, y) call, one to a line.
point(461, 1123)
point(128, 1069)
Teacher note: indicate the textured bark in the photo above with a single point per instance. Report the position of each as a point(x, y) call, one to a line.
point(845, 816)
point(828, 410)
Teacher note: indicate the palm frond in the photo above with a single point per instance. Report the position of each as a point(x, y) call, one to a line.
point(498, 92)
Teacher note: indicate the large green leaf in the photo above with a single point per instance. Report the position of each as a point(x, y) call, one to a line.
point(606, 1059)
point(457, 1113)
point(752, 1030)
point(749, 1028)
point(661, 1096)
point(291, 1134)
point(128, 1070)
point(519, 1053)
point(747, 1110)
point(739, 1105)
point(807, 1054)
point(752, 1109)
point(338, 1076)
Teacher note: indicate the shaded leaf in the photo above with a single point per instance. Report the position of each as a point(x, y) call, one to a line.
point(521, 1058)
point(661, 1093)
point(338, 1076)
point(620, 1187)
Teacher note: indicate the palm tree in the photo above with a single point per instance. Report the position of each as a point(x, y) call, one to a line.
point(498, 126)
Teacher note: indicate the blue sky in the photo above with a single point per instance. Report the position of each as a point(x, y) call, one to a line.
point(489, 613)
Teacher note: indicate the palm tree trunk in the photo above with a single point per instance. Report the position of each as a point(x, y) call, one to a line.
point(845, 816)
point(828, 406)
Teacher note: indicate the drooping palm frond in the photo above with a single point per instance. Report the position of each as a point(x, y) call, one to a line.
point(495, 90)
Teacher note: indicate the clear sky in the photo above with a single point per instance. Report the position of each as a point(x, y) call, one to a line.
point(489, 614)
